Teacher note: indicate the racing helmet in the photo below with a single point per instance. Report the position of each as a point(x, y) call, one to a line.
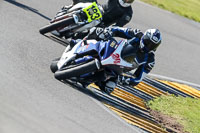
point(150, 40)
point(125, 3)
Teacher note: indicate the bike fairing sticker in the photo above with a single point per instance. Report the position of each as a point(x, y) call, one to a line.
point(116, 58)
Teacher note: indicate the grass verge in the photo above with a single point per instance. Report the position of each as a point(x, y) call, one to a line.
point(185, 110)
point(186, 8)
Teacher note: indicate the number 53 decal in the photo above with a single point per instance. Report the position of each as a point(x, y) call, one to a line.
point(93, 12)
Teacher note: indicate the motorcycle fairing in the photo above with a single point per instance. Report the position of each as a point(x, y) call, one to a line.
point(68, 55)
point(110, 47)
point(91, 45)
point(115, 57)
point(110, 58)
point(81, 48)
point(78, 49)
point(104, 49)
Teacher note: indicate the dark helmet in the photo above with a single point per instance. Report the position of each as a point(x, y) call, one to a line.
point(150, 40)
point(125, 3)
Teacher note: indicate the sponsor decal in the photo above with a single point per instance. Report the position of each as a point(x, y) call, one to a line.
point(116, 58)
point(112, 44)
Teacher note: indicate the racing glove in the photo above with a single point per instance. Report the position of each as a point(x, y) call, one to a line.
point(100, 33)
point(106, 34)
point(94, 33)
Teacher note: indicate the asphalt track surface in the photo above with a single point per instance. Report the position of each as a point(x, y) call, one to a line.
point(32, 101)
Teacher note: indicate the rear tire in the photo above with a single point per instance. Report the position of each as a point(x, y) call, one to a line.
point(77, 71)
point(55, 25)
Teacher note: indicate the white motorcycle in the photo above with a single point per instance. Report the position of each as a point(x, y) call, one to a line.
point(78, 18)
point(87, 62)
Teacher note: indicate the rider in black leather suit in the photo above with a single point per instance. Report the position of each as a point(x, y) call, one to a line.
point(118, 12)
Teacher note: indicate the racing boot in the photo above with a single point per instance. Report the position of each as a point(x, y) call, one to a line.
point(107, 87)
point(110, 86)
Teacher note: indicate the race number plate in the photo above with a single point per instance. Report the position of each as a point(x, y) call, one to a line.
point(93, 12)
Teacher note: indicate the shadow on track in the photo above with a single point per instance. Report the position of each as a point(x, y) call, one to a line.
point(110, 100)
point(134, 114)
point(63, 42)
point(27, 8)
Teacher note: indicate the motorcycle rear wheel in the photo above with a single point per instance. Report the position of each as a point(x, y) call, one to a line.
point(78, 70)
point(55, 25)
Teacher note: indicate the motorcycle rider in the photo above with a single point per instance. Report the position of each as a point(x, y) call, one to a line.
point(118, 12)
point(139, 50)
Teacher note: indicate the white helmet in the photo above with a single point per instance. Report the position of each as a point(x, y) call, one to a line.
point(151, 39)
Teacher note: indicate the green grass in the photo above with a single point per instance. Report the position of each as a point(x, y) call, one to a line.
point(186, 8)
point(185, 110)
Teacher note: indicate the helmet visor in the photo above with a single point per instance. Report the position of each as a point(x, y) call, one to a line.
point(149, 45)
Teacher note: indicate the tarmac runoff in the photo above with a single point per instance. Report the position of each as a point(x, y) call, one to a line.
point(129, 102)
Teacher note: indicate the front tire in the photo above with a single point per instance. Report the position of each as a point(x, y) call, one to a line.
point(78, 70)
point(55, 25)
point(54, 66)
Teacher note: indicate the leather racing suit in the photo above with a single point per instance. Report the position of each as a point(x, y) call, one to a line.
point(116, 14)
point(145, 60)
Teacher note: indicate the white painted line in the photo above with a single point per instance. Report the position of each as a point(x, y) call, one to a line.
point(175, 80)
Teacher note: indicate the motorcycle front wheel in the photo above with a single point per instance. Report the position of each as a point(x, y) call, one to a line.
point(78, 70)
point(56, 25)
point(53, 65)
